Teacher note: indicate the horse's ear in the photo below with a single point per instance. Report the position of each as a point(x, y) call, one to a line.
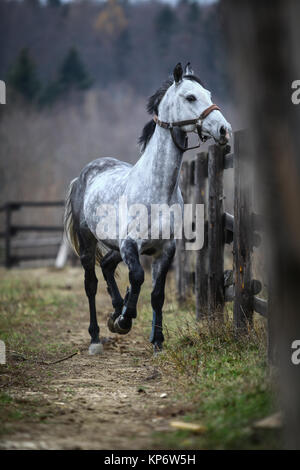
point(178, 72)
point(188, 69)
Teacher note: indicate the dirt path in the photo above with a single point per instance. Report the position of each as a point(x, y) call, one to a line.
point(116, 400)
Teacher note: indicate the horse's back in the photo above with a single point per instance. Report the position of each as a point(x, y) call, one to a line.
point(99, 183)
point(100, 166)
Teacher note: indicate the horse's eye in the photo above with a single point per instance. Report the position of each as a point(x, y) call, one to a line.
point(191, 98)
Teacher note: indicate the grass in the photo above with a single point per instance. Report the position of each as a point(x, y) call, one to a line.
point(26, 308)
point(225, 378)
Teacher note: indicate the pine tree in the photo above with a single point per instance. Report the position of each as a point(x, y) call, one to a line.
point(22, 77)
point(72, 73)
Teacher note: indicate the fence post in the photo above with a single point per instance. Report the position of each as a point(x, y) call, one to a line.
point(242, 237)
point(216, 236)
point(181, 281)
point(201, 271)
point(189, 198)
point(273, 326)
point(7, 235)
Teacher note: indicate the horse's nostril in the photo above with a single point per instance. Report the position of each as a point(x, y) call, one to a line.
point(222, 131)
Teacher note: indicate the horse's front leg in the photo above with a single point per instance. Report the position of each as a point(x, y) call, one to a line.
point(160, 268)
point(130, 256)
point(108, 266)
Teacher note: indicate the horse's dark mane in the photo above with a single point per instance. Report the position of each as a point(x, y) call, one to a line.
point(152, 108)
point(147, 133)
point(155, 99)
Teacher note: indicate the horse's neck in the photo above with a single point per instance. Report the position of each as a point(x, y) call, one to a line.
point(160, 165)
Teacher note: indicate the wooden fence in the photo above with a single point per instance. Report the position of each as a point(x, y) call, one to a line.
point(11, 230)
point(202, 183)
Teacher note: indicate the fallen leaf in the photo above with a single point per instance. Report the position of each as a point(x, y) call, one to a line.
point(271, 422)
point(193, 427)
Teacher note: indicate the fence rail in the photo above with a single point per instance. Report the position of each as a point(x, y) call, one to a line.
point(11, 230)
point(202, 183)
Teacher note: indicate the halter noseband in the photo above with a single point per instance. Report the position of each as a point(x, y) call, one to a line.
point(198, 121)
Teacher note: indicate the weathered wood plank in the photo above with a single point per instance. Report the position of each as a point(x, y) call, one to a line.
point(8, 261)
point(36, 242)
point(15, 205)
point(258, 222)
point(187, 192)
point(15, 259)
point(228, 161)
point(201, 272)
point(274, 323)
point(242, 237)
point(216, 236)
point(180, 260)
point(266, 33)
point(36, 228)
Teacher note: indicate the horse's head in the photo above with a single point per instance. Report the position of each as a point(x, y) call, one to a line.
point(188, 105)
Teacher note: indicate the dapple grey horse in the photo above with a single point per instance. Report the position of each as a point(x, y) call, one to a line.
point(182, 105)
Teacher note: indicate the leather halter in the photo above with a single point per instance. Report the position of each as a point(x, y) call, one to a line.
point(198, 121)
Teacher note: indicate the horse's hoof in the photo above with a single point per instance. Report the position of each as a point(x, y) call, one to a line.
point(122, 325)
point(157, 348)
point(110, 323)
point(95, 348)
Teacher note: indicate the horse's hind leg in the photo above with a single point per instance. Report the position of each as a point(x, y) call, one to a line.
point(160, 268)
point(87, 244)
point(130, 256)
point(108, 266)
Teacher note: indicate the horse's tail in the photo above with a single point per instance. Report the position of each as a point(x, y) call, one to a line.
point(69, 226)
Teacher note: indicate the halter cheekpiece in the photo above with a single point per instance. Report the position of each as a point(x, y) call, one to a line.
point(198, 121)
